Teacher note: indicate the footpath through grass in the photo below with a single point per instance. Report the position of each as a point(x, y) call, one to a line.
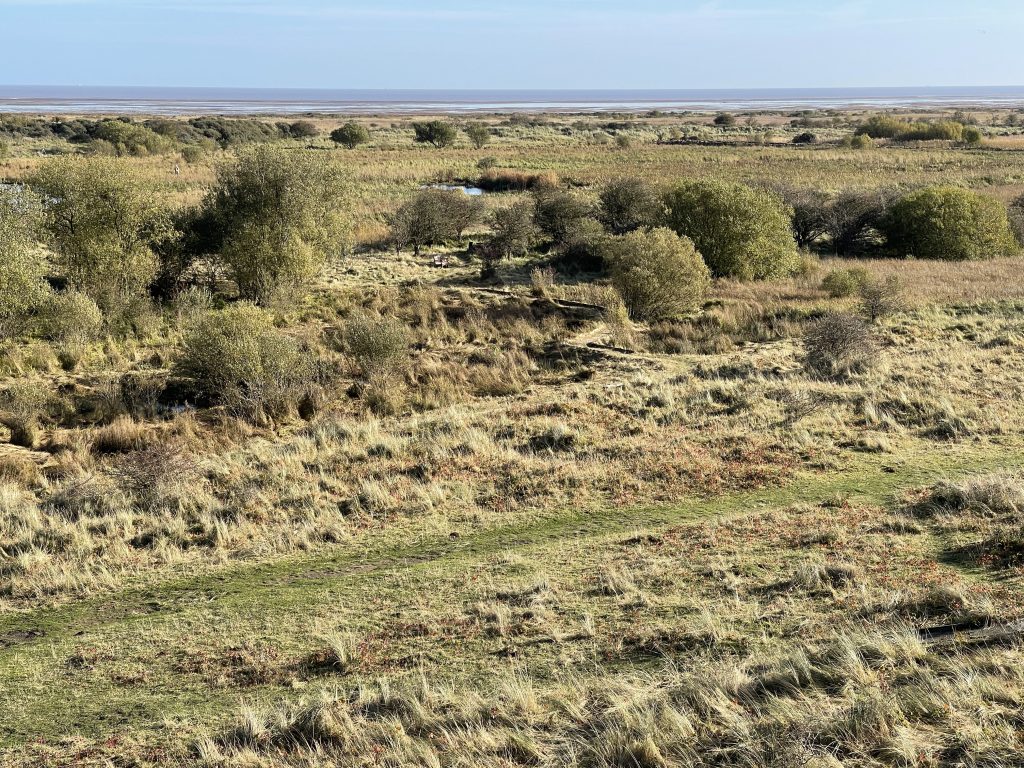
point(112, 664)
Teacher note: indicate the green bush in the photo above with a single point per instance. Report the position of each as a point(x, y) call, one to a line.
point(725, 119)
point(379, 345)
point(630, 204)
point(103, 223)
point(659, 275)
point(132, 139)
point(236, 358)
point(276, 216)
point(949, 223)
point(22, 264)
point(479, 134)
point(840, 283)
point(436, 132)
point(741, 232)
point(560, 215)
point(303, 129)
point(70, 318)
point(350, 135)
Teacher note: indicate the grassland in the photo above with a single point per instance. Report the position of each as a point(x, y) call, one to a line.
point(558, 538)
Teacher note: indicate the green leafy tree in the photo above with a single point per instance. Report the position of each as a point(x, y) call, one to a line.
point(303, 129)
point(742, 232)
point(658, 274)
point(949, 223)
point(629, 204)
point(480, 135)
point(276, 216)
point(436, 132)
point(350, 135)
point(22, 266)
point(102, 222)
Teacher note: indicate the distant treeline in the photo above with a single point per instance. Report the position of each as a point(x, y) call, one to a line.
point(154, 135)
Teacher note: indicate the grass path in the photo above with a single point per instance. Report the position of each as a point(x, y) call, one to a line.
point(40, 697)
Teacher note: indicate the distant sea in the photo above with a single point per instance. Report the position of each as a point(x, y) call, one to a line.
point(254, 101)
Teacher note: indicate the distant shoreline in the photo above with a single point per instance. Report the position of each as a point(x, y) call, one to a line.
point(275, 101)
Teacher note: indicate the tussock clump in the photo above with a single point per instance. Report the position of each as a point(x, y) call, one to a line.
point(838, 345)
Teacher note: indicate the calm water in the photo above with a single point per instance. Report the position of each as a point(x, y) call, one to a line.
point(85, 99)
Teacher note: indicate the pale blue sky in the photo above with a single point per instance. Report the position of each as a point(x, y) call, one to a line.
point(510, 44)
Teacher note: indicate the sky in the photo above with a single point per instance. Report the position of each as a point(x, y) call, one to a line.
point(512, 43)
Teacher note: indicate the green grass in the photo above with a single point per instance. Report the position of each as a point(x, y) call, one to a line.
point(150, 627)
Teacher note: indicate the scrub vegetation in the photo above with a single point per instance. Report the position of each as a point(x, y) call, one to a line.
point(595, 440)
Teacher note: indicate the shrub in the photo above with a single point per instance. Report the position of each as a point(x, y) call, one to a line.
point(949, 223)
point(659, 275)
point(22, 266)
point(276, 216)
point(840, 283)
point(70, 318)
point(741, 232)
point(971, 135)
point(192, 153)
point(809, 212)
point(515, 181)
point(379, 345)
point(102, 223)
point(805, 138)
point(560, 215)
point(303, 129)
point(838, 345)
point(433, 216)
point(852, 220)
point(436, 132)
point(622, 141)
point(630, 204)
point(858, 141)
point(22, 404)
point(881, 298)
point(725, 119)
point(486, 163)
point(236, 358)
point(514, 230)
point(350, 135)
point(127, 138)
point(882, 127)
point(480, 135)
point(1016, 217)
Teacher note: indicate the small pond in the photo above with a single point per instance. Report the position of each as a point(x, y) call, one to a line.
point(473, 191)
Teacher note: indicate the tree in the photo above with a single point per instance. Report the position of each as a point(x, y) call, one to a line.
point(659, 275)
point(629, 204)
point(852, 220)
point(725, 119)
point(949, 223)
point(479, 134)
point(436, 132)
point(22, 266)
point(433, 216)
point(276, 216)
point(741, 232)
point(350, 135)
point(514, 230)
point(809, 212)
point(102, 223)
point(560, 215)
